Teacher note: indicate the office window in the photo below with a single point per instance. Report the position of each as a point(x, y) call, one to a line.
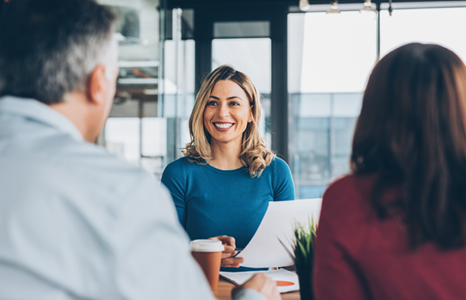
point(329, 58)
point(130, 132)
point(176, 89)
point(444, 26)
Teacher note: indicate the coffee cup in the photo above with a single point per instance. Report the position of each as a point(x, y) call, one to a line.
point(208, 254)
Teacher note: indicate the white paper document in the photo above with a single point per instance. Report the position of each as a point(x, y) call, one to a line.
point(265, 250)
point(287, 281)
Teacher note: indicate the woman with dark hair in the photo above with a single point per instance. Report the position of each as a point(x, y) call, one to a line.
point(396, 227)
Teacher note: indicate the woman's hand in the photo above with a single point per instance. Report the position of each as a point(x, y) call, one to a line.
point(230, 250)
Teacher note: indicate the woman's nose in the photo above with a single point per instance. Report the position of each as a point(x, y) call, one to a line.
point(224, 110)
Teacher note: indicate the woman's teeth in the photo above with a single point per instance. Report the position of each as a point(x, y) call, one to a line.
point(227, 125)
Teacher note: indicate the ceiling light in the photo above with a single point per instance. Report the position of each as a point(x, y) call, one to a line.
point(367, 9)
point(304, 5)
point(333, 8)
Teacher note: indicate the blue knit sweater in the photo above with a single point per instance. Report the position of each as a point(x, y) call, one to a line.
point(212, 202)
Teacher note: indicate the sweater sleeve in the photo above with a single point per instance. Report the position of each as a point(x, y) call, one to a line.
point(336, 274)
point(174, 178)
point(283, 187)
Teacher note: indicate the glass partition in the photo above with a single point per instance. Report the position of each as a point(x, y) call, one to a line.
point(130, 132)
point(177, 88)
point(329, 58)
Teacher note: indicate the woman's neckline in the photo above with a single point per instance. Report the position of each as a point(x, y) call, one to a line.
point(220, 170)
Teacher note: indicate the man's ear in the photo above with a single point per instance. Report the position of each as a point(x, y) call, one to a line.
point(97, 85)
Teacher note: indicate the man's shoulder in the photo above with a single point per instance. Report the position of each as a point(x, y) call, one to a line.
point(105, 167)
point(65, 151)
point(62, 155)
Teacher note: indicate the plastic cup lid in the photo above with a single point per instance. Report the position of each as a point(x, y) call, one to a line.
point(206, 246)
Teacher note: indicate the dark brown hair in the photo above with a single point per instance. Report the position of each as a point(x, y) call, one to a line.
point(412, 132)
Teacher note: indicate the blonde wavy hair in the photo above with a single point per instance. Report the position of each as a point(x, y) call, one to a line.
point(254, 153)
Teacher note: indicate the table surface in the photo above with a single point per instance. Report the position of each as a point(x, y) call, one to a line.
point(224, 292)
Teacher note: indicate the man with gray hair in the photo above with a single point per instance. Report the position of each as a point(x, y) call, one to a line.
point(76, 222)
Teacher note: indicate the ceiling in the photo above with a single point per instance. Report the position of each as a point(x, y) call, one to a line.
point(203, 3)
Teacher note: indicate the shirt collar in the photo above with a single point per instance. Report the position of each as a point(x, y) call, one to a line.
point(40, 112)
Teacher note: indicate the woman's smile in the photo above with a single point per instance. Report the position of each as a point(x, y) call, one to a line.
point(223, 126)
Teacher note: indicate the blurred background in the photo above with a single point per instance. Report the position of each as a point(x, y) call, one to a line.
point(310, 62)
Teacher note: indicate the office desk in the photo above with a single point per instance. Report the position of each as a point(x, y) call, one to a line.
point(225, 287)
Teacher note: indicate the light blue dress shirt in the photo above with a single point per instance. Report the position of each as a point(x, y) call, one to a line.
point(78, 223)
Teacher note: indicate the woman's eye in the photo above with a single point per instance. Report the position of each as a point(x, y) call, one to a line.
point(211, 103)
point(233, 103)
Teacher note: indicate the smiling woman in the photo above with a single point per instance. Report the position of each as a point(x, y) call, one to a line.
point(221, 188)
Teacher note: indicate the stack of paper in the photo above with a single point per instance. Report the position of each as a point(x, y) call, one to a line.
point(265, 250)
point(287, 281)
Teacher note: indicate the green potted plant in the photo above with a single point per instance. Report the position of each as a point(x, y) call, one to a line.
point(303, 256)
